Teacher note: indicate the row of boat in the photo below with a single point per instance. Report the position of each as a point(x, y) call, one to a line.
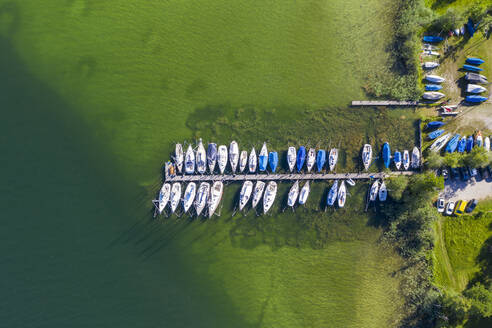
point(209, 196)
point(473, 78)
point(401, 160)
point(457, 142)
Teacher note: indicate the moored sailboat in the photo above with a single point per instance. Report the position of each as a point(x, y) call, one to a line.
point(245, 194)
point(269, 197)
point(215, 197)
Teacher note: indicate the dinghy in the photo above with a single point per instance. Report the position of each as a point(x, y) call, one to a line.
point(433, 95)
point(164, 195)
point(386, 154)
point(449, 108)
point(350, 182)
point(179, 157)
point(475, 88)
point(189, 161)
point(475, 61)
point(293, 193)
point(469, 144)
point(245, 194)
point(434, 134)
point(243, 161)
point(269, 197)
point(440, 142)
point(476, 78)
point(311, 158)
point(304, 194)
point(252, 161)
point(222, 158)
point(433, 87)
point(462, 145)
point(472, 68)
point(432, 38)
point(301, 157)
point(273, 161)
point(320, 159)
point(434, 124)
point(475, 99)
point(189, 196)
point(383, 192)
point(202, 197)
point(332, 194)
point(373, 194)
point(479, 139)
point(333, 159)
point(175, 196)
point(434, 78)
point(215, 197)
point(452, 144)
point(486, 143)
point(211, 157)
point(263, 158)
point(201, 163)
point(291, 158)
point(415, 158)
point(258, 192)
point(430, 65)
point(342, 195)
point(366, 156)
point(233, 155)
point(406, 160)
point(397, 159)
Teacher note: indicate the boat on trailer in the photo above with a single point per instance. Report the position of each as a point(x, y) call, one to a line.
point(189, 196)
point(258, 192)
point(243, 161)
point(304, 194)
point(222, 158)
point(234, 155)
point(333, 158)
point(311, 158)
point(293, 194)
point(202, 197)
point(366, 156)
point(245, 194)
point(252, 161)
point(291, 158)
point(215, 197)
point(269, 197)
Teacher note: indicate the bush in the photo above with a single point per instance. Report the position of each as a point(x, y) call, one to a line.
point(396, 186)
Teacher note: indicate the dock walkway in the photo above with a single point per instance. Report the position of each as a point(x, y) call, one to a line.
point(359, 103)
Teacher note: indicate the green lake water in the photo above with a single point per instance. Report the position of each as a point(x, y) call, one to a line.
point(94, 96)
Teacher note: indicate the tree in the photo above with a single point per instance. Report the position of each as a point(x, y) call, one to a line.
point(478, 157)
point(452, 159)
point(454, 308)
point(396, 186)
point(433, 160)
point(480, 301)
point(450, 20)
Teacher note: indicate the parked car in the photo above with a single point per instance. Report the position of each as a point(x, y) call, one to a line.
point(471, 206)
point(473, 172)
point(464, 173)
point(455, 173)
point(459, 209)
point(489, 168)
point(485, 173)
point(450, 208)
point(445, 174)
point(440, 205)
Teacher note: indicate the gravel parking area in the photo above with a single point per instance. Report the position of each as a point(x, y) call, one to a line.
point(455, 190)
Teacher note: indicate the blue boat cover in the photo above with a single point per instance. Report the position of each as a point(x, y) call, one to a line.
point(472, 68)
point(469, 143)
point(434, 134)
point(430, 38)
point(475, 61)
point(453, 143)
point(211, 152)
point(397, 157)
point(273, 160)
point(462, 145)
point(386, 154)
point(320, 159)
point(432, 87)
point(262, 162)
point(434, 124)
point(470, 27)
point(301, 157)
point(475, 99)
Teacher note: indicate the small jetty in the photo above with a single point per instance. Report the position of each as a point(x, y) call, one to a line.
point(360, 103)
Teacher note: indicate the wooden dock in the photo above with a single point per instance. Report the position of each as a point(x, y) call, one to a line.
point(359, 103)
point(282, 176)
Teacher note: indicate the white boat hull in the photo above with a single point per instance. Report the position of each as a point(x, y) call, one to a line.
point(269, 197)
point(245, 194)
point(202, 197)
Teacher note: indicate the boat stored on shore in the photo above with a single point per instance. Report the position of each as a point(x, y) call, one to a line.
point(475, 61)
point(475, 99)
point(475, 88)
point(434, 125)
point(453, 143)
point(469, 143)
point(434, 134)
point(433, 95)
point(433, 87)
point(415, 158)
point(434, 78)
point(432, 38)
point(440, 142)
point(476, 78)
point(430, 65)
point(386, 154)
point(462, 145)
point(472, 68)
point(406, 160)
point(397, 159)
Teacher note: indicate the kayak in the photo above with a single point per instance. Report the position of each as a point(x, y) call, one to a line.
point(472, 68)
point(273, 160)
point(434, 124)
point(433, 87)
point(475, 61)
point(301, 157)
point(320, 159)
point(432, 38)
point(434, 134)
point(475, 99)
point(386, 154)
point(453, 143)
point(469, 143)
point(462, 145)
